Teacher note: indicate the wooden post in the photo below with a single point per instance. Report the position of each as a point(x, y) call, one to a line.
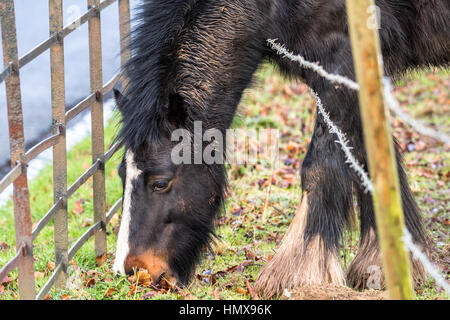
point(98, 148)
point(379, 146)
point(22, 216)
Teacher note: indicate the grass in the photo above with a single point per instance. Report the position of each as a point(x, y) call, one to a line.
point(245, 241)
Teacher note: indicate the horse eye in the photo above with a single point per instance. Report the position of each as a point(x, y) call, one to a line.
point(160, 185)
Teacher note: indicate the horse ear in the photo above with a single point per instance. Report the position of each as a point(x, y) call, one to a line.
point(120, 99)
point(177, 113)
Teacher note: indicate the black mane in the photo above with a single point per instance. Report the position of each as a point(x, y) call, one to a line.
point(152, 46)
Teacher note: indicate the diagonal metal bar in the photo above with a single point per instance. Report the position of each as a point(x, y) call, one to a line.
point(84, 104)
point(41, 147)
point(83, 178)
point(77, 246)
point(94, 229)
point(6, 72)
point(55, 38)
point(11, 177)
point(38, 50)
point(11, 75)
point(49, 284)
point(13, 263)
point(111, 151)
point(47, 217)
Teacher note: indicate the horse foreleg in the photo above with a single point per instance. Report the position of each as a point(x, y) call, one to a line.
point(365, 271)
point(309, 252)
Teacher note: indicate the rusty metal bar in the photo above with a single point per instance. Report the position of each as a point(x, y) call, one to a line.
point(6, 72)
point(77, 246)
point(75, 186)
point(61, 228)
point(105, 4)
point(42, 146)
point(22, 216)
point(57, 37)
point(111, 151)
point(116, 206)
point(74, 25)
point(111, 83)
point(49, 284)
point(60, 118)
point(94, 229)
point(83, 105)
point(38, 50)
point(99, 163)
point(98, 148)
point(89, 100)
point(85, 17)
point(84, 238)
point(10, 177)
point(52, 140)
point(47, 217)
point(83, 178)
point(13, 263)
point(125, 28)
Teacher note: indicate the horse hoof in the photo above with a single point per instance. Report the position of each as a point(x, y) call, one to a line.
point(298, 263)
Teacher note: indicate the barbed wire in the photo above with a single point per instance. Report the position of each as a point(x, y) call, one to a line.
point(343, 142)
point(416, 252)
point(315, 66)
point(350, 159)
point(417, 125)
point(338, 79)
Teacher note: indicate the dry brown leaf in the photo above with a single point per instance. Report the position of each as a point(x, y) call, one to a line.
point(87, 222)
point(241, 291)
point(143, 278)
point(6, 280)
point(109, 292)
point(252, 292)
point(78, 207)
point(38, 275)
point(90, 282)
point(216, 294)
point(4, 246)
point(101, 259)
point(132, 290)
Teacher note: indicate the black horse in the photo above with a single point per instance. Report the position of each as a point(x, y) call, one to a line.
point(191, 61)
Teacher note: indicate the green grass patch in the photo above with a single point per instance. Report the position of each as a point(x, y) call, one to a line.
point(244, 241)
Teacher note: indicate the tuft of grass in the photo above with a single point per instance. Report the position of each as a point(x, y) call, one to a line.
point(244, 241)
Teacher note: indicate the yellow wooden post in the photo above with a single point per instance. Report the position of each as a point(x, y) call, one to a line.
point(379, 146)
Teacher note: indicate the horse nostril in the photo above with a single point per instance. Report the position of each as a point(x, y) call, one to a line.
point(128, 265)
point(160, 278)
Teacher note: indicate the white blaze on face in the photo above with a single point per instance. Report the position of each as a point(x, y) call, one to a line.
point(132, 172)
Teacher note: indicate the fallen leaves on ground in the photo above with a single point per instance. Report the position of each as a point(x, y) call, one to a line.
point(78, 207)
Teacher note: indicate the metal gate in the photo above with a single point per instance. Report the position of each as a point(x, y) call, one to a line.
point(25, 235)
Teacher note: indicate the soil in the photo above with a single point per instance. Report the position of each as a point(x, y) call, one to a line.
point(330, 292)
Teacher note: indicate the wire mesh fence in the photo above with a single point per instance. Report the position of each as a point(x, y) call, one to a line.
point(25, 234)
